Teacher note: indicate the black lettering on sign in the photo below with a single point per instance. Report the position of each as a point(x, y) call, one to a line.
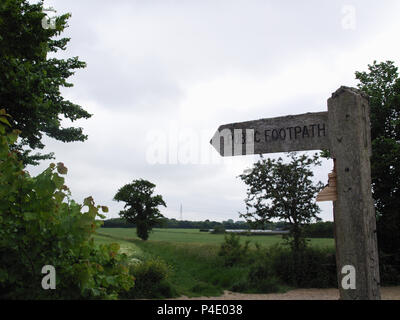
point(290, 132)
point(281, 134)
point(297, 131)
point(305, 132)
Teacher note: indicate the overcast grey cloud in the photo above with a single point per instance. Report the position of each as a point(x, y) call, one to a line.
point(170, 72)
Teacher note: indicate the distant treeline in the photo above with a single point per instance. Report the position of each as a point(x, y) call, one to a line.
point(315, 230)
point(319, 230)
point(173, 223)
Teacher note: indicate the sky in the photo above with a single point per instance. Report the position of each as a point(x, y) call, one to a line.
point(163, 75)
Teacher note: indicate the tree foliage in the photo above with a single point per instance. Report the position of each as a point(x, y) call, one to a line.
point(141, 206)
point(382, 84)
point(40, 225)
point(31, 78)
point(232, 251)
point(284, 191)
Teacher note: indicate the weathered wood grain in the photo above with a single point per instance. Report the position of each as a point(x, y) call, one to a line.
point(307, 131)
point(354, 214)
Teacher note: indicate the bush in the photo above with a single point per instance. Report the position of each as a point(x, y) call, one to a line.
point(40, 225)
point(278, 267)
point(232, 252)
point(151, 280)
point(261, 278)
point(310, 267)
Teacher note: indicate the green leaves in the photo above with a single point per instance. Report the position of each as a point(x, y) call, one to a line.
point(4, 120)
point(29, 216)
point(58, 181)
point(30, 82)
point(141, 206)
point(382, 84)
point(282, 190)
point(41, 225)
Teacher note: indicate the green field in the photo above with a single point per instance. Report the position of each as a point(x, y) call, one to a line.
point(127, 247)
point(196, 268)
point(195, 236)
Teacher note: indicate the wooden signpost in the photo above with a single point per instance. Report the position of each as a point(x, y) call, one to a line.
point(345, 130)
point(307, 131)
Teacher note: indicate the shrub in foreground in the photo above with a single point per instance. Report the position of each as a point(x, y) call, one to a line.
point(274, 268)
point(311, 267)
point(151, 280)
point(40, 225)
point(260, 279)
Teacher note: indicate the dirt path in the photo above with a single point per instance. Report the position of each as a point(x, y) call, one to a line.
point(387, 293)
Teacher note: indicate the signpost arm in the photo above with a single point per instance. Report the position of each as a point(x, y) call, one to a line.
point(354, 214)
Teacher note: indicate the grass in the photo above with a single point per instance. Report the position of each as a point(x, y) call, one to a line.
point(197, 270)
point(127, 247)
point(195, 236)
point(196, 267)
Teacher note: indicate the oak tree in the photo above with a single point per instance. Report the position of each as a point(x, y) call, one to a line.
point(141, 206)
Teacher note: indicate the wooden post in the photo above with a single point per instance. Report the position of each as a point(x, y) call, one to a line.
point(345, 131)
point(354, 214)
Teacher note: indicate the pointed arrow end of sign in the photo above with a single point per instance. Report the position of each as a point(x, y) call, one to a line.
point(215, 142)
